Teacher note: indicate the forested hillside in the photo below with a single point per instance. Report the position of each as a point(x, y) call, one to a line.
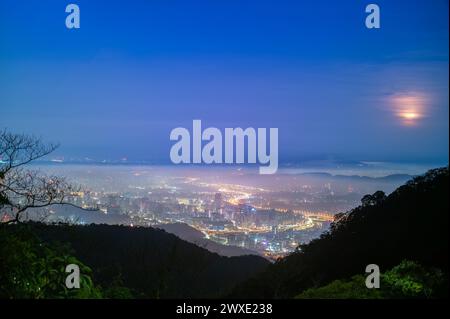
point(409, 224)
point(129, 262)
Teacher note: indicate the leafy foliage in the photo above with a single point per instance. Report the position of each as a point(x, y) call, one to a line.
point(411, 280)
point(407, 280)
point(30, 268)
point(354, 288)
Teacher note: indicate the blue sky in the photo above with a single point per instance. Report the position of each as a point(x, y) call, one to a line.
point(137, 69)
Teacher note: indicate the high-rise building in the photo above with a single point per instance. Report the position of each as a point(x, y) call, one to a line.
point(218, 202)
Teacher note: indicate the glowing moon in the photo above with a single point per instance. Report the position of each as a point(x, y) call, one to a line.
point(410, 115)
point(409, 107)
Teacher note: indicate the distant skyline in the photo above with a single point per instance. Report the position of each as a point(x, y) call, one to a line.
point(135, 70)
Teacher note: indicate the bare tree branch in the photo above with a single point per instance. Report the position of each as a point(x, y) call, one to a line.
point(22, 189)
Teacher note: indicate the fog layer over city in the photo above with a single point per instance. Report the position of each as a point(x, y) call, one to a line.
point(229, 210)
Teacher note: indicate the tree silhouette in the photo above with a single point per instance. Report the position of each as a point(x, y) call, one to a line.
point(374, 199)
point(21, 188)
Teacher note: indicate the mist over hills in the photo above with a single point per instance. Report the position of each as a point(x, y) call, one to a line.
point(386, 178)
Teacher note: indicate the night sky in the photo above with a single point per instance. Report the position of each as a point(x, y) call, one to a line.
point(135, 70)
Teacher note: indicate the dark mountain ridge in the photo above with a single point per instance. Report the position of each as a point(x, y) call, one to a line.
point(151, 262)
